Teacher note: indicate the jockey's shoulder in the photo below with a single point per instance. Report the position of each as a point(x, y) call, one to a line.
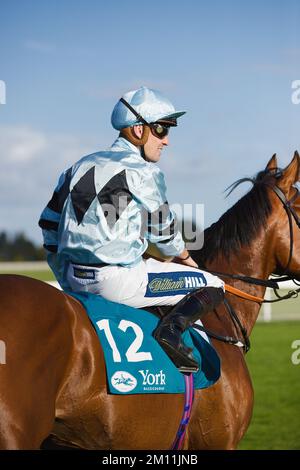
point(122, 155)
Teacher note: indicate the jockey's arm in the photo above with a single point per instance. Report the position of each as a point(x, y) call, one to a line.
point(161, 228)
point(184, 257)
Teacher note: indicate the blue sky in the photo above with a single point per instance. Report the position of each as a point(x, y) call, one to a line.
point(229, 64)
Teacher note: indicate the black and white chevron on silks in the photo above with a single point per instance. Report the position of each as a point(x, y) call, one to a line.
point(114, 197)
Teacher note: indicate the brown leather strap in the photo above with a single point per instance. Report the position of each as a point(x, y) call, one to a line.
point(243, 295)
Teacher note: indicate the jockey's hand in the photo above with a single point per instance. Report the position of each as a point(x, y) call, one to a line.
point(185, 258)
point(190, 262)
point(153, 252)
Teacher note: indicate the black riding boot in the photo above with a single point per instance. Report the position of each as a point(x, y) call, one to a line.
point(168, 332)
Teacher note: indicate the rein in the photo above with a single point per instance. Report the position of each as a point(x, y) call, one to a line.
point(242, 294)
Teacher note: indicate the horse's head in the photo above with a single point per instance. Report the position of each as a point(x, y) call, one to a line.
point(285, 218)
point(263, 222)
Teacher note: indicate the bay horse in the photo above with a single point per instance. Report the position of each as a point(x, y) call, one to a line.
point(54, 380)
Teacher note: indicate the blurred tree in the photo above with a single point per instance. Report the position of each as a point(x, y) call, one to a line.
point(19, 248)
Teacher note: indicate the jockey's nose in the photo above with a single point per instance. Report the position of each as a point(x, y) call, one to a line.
point(165, 140)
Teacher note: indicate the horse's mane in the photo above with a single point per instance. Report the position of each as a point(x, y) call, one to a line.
point(242, 222)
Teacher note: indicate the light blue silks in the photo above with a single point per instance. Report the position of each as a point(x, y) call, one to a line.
point(119, 182)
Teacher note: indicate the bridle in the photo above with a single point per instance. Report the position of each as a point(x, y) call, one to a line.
point(291, 213)
point(272, 283)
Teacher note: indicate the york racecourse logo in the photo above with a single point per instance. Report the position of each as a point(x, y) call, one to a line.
point(2, 92)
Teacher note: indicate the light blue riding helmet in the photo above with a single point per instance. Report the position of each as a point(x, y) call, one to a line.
point(150, 104)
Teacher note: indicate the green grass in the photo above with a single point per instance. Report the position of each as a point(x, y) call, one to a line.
point(276, 380)
point(42, 275)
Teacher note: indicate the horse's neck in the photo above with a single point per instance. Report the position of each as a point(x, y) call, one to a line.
point(251, 261)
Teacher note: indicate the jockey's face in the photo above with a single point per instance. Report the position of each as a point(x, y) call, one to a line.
point(153, 146)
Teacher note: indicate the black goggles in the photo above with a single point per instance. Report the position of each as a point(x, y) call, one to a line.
point(158, 130)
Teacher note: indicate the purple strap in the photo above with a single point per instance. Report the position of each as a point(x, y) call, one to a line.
point(188, 403)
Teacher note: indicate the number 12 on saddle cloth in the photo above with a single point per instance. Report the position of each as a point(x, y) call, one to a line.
point(135, 363)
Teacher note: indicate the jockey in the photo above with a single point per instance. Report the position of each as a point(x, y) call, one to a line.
point(105, 210)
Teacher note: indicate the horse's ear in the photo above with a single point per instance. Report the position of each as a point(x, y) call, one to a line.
point(297, 156)
point(272, 163)
point(291, 172)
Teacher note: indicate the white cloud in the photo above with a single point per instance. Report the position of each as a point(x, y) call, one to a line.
point(20, 144)
point(31, 162)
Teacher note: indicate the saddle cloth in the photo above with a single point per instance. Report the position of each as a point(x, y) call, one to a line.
point(135, 363)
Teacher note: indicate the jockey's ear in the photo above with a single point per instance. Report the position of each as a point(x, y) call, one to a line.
point(138, 130)
point(291, 173)
point(272, 163)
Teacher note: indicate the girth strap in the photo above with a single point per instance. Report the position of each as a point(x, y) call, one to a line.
point(188, 403)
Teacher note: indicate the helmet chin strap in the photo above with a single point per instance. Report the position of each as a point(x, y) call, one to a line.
point(129, 134)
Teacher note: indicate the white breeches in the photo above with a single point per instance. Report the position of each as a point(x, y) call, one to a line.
point(147, 284)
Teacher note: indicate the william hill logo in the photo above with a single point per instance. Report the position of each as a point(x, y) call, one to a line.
point(159, 284)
